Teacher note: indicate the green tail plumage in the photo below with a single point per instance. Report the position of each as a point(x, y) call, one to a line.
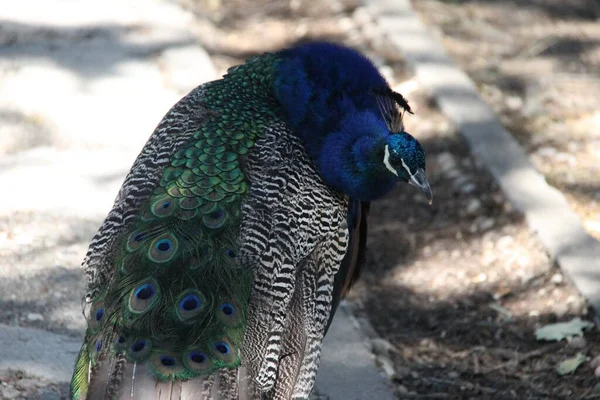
point(177, 299)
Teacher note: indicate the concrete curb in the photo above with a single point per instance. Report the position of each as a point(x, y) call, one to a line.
point(347, 370)
point(545, 208)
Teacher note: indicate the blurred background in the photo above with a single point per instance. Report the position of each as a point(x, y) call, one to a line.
point(455, 291)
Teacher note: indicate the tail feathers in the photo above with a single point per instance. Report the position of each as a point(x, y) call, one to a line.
point(134, 381)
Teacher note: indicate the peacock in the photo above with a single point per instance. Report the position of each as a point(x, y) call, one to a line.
point(239, 228)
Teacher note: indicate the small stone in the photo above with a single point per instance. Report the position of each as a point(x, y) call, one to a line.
point(514, 102)
point(547, 152)
point(504, 242)
point(557, 279)
point(35, 317)
point(386, 365)
point(595, 363)
point(401, 389)
point(482, 277)
point(414, 375)
point(486, 224)
point(534, 313)
point(560, 310)
point(468, 188)
point(578, 342)
point(453, 375)
point(382, 346)
point(473, 206)
point(597, 373)
point(446, 162)
point(453, 173)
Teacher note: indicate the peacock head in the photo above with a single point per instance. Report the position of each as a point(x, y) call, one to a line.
point(350, 120)
point(404, 157)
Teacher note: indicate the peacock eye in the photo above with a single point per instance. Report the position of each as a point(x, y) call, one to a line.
point(227, 309)
point(197, 360)
point(197, 357)
point(190, 303)
point(168, 361)
point(145, 291)
point(138, 346)
point(222, 347)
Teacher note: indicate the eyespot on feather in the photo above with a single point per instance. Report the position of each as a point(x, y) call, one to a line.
point(163, 207)
point(143, 297)
point(166, 365)
point(163, 248)
point(215, 219)
point(97, 315)
point(228, 313)
point(139, 349)
point(189, 304)
point(136, 240)
point(120, 342)
point(197, 360)
point(94, 348)
point(98, 345)
point(224, 351)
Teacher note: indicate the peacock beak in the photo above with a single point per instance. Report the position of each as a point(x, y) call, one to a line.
point(419, 180)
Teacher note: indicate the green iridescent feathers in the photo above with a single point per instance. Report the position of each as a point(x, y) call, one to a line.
point(177, 300)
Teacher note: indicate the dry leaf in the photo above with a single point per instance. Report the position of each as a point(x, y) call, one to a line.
point(562, 330)
point(569, 365)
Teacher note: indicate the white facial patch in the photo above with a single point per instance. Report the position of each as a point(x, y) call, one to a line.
point(406, 167)
point(386, 161)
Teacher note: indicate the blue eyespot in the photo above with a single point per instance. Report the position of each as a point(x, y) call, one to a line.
point(138, 346)
point(99, 314)
point(145, 291)
point(163, 245)
point(121, 339)
point(168, 361)
point(98, 345)
point(166, 204)
point(138, 237)
point(230, 253)
point(197, 357)
point(190, 302)
point(222, 347)
point(227, 309)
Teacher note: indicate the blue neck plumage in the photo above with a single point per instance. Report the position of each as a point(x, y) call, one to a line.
point(336, 115)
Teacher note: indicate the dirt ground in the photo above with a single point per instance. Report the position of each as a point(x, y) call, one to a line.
point(537, 63)
point(458, 288)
